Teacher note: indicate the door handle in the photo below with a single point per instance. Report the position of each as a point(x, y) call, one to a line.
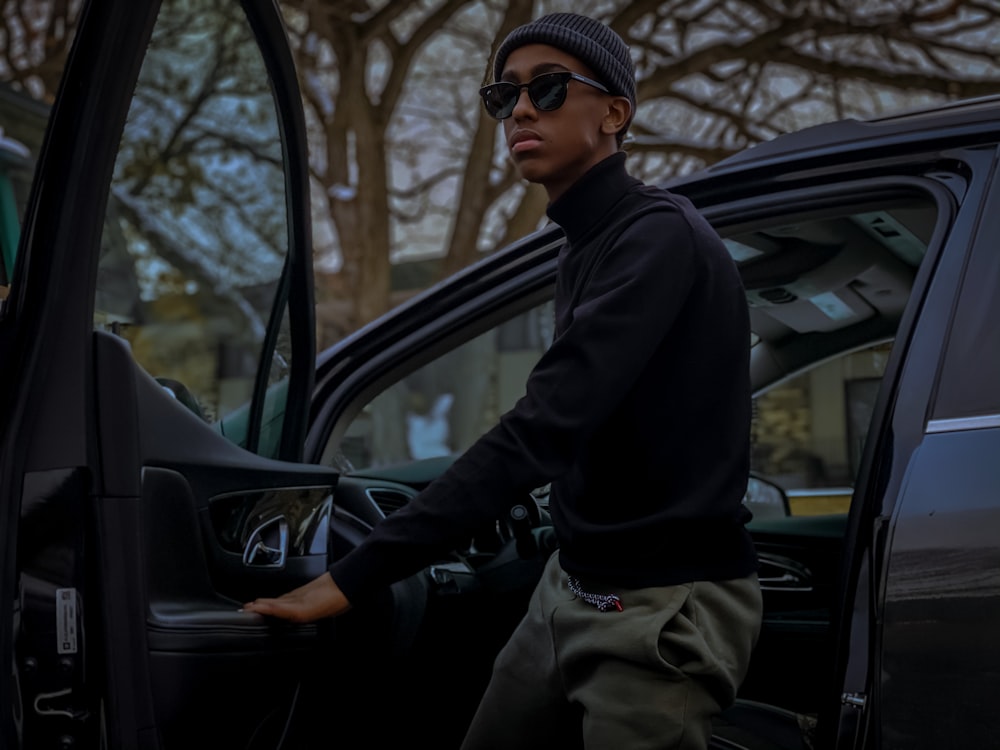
point(785, 581)
point(778, 573)
point(268, 545)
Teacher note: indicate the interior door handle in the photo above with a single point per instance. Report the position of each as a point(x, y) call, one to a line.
point(268, 545)
point(785, 581)
point(778, 573)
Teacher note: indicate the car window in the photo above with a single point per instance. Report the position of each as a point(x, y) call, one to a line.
point(808, 433)
point(826, 287)
point(441, 408)
point(969, 395)
point(15, 172)
point(29, 82)
point(195, 236)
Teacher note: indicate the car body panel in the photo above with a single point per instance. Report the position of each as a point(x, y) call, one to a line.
point(942, 588)
point(940, 576)
point(897, 432)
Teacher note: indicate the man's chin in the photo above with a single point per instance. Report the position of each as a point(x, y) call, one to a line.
point(531, 168)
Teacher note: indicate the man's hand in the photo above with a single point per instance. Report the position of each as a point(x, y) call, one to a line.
point(319, 598)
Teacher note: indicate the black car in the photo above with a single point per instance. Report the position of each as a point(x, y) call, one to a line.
point(138, 517)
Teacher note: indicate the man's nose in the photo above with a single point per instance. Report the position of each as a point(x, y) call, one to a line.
point(524, 105)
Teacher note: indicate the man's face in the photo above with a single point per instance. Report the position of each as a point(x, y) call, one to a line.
point(555, 148)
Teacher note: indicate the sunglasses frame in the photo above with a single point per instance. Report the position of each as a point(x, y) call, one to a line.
point(565, 75)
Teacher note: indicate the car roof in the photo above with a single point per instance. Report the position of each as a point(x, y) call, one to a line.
point(961, 122)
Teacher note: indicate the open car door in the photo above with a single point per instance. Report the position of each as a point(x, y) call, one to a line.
point(162, 282)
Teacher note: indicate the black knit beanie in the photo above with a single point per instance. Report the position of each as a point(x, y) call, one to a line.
point(590, 41)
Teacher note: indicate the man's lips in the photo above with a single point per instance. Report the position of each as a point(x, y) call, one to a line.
point(524, 141)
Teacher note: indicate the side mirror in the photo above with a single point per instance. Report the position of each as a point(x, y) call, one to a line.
point(765, 499)
point(181, 393)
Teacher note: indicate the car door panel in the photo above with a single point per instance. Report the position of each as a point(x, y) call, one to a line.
point(177, 554)
point(212, 485)
point(134, 515)
point(800, 560)
point(195, 576)
point(898, 427)
point(940, 585)
point(46, 622)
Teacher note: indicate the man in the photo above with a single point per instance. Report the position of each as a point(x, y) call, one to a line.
point(642, 625)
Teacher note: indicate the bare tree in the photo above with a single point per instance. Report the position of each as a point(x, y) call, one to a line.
point(718, 76)
point(406, 165)
point(194, 240)
point(34, 41)
point(389, 129)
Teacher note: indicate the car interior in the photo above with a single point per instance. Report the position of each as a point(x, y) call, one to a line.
point(827, 287)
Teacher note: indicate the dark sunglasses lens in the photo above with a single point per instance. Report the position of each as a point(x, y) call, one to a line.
point(500, 99)
point(548, 92)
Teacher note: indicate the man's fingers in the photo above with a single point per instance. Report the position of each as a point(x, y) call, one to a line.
point(260, 606)
point(319, 598)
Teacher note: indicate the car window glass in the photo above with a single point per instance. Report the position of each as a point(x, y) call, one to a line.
point(196, 234)
point(235, 425)
point(970, 393)
point(444, 406)
point(15, 175)
point(34, 51)
point(808, 433)
point(827, 290)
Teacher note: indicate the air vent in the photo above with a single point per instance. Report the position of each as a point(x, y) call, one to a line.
point(388, 500)
point(777, 295)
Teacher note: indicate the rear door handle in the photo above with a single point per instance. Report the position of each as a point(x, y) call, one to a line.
point(268, 545)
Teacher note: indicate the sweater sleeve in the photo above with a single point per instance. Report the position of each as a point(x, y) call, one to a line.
point(631, 300)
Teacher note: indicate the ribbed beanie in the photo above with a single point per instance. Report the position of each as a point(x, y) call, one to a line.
point(590, 41)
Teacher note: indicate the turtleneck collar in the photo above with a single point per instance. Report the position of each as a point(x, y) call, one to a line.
point(588, 200)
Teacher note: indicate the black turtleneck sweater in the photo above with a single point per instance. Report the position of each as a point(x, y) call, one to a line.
point(638, 414)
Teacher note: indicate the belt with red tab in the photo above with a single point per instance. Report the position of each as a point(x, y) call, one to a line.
point(603, 602)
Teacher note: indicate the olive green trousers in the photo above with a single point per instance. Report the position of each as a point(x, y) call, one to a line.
point(650, 676)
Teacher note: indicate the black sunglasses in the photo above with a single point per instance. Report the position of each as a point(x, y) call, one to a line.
point(547, 92)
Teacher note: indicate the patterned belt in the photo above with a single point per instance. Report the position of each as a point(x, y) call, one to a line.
point(603, 602)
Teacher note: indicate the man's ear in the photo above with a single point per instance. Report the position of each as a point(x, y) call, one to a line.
point(618, 115)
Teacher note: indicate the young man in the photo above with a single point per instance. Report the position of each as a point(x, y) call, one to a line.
point(642, 625)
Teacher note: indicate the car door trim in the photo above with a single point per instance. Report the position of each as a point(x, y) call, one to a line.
point(963, 424)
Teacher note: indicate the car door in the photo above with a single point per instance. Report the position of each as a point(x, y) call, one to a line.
point(937, 588)
point(162, 281)
point(915, 548)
